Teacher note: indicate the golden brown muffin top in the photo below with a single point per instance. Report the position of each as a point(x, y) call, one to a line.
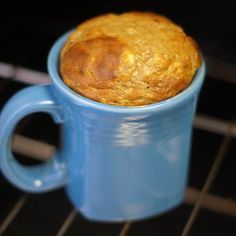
point(136, 58)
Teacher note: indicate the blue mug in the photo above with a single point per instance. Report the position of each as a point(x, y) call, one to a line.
point(117, 163)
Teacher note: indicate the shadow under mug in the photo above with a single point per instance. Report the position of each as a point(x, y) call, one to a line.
point(117, 163)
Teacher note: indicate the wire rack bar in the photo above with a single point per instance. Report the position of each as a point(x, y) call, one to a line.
point(125, 228)
point(32, 148)
point(212, 202)
point(67, 223)
point(214, 125)
point(210, 178)
point(23, 75)
point(13, 213)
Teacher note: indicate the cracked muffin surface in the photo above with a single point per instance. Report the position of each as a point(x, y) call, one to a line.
point(131, 59)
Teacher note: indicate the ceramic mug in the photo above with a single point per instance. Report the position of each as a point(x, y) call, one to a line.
point(117, 163)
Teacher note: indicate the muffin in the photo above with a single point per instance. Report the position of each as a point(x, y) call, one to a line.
point(131, 59)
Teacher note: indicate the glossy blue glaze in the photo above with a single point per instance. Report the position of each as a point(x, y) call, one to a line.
point(117, 163)
point(42, 177)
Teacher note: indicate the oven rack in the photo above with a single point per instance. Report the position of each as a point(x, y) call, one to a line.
point(196, 198)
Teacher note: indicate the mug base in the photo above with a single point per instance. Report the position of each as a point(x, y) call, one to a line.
point(130, 213)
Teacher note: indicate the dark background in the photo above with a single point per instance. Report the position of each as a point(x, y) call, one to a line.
point(28, 32)
point(33, 27)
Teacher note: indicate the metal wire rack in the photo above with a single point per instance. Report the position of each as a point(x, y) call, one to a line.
point(196, 199)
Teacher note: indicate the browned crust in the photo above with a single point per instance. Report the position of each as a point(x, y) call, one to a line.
point(131, 59)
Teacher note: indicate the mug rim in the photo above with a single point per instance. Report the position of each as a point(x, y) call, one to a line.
point(53, 63)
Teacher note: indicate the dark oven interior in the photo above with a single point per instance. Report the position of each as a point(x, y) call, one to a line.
point(27, 33)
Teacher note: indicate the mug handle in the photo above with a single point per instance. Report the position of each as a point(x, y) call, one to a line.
point(42, 177)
